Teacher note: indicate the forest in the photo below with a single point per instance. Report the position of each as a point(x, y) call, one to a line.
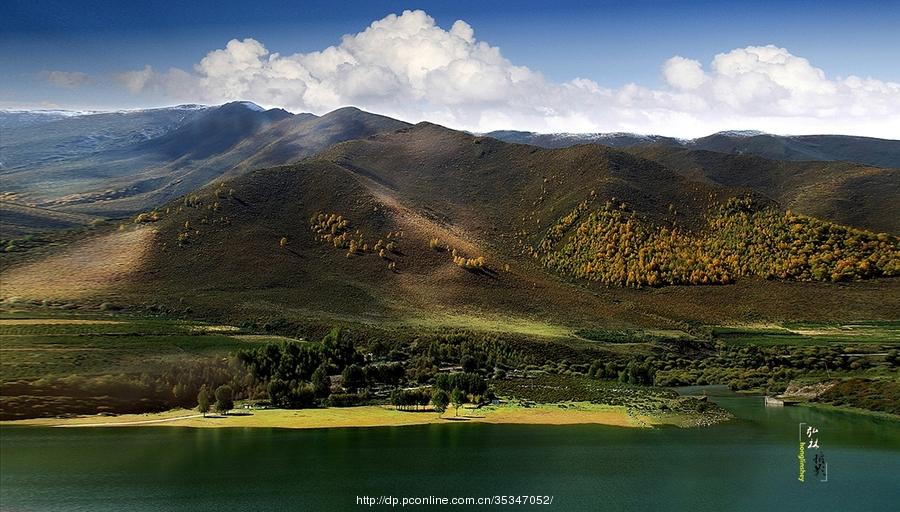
point(617, 247)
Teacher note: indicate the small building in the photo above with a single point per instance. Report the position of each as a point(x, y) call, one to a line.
point(771, 401)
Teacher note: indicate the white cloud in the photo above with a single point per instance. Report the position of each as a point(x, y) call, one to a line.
point(408, 67)
point(683, 73)
point(65, 78)
point(136, 81)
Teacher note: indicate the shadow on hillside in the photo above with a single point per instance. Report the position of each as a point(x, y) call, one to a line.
point(483, 271)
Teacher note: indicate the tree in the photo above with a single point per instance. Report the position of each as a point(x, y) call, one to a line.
point(224, 399)
point(440, 400)
point(321, 383)
point(339, 349)
point(203, 400)
point(279, 392)
point(457, 398)
point(468, 363)
point(595, 368)
point(303, 396)
point(354, 377)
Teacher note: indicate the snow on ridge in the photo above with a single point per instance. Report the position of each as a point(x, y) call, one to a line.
point(77, 113)
point(51, 112)
point(740, 133)
point(252, 106)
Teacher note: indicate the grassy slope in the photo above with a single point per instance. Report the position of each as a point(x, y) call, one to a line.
point(44, 348)
point(846, 193)
point(18, 221)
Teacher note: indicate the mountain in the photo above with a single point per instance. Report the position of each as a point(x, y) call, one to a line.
point(863, 150)
point(21, 221)
point(43, 138)
point(847, 193)
point(305, 134)
point(435, 227)
point(564, 140)
point(123, 163)
point(16, 119)
point(213, 132)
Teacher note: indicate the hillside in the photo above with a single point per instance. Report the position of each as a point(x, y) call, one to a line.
point(822, 148)
point(42, 138)
point(846, 193)
point(864, 150)
point(21, 221)
point(429, 226)
point(127, 173)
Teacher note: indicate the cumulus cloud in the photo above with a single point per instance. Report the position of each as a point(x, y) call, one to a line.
point(65, 78)
point(409, 67)
point(685, 74)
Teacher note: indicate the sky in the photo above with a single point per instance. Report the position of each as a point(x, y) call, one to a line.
point(682, 69)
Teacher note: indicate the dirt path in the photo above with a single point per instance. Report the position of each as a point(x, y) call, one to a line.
point(127, 423)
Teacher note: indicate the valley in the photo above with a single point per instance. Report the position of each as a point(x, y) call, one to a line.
point(557, 281)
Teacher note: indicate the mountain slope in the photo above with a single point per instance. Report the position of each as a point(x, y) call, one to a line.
point(846, 193)
point(864, 150)
point(97, 156)
point(845, 148)
point(391, 230)
point(29, 140)
point(224, 141)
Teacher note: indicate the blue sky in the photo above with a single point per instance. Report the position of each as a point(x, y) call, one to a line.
point(611, 43)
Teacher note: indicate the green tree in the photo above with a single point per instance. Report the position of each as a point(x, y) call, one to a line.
point(354, 377)
point(457, 398)
point(321, 383)
point(279, 392)
point(440, 400)
point(224, 399)
point(303, 396)
point(203, 400)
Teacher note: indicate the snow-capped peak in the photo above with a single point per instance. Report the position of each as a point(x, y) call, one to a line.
point(252, 106)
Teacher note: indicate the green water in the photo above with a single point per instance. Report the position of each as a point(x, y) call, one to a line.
point(748, 464)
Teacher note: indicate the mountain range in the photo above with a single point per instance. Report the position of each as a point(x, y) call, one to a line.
point(245, 212)
point(62, 169)
point(862, 150)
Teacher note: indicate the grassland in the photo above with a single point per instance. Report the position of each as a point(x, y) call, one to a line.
point(376, 416)
point(62, 347)
point(65, 363)
point(490, 323)
point(809, 333)
point(58, 362)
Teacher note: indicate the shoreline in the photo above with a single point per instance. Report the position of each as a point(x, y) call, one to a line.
point(574, 413)
point(846, 409)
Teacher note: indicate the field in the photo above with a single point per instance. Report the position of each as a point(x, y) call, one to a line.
point(62, 347)
point(62, 363)
point(810, 333)
point(379, 416)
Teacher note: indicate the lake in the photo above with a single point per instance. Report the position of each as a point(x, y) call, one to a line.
point(747, 464)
